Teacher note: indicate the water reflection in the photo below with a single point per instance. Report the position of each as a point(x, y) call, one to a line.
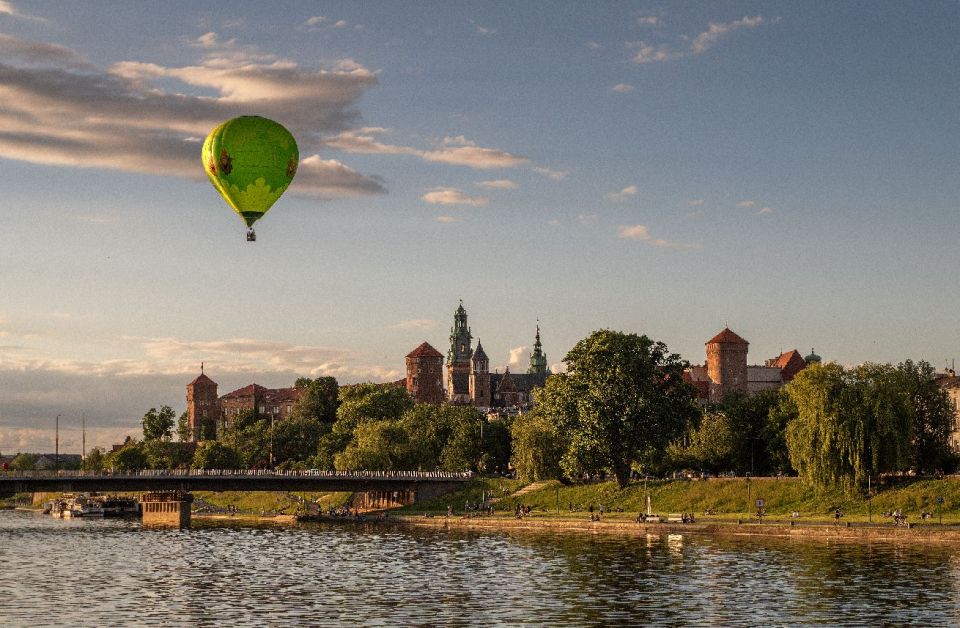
point(92, 572)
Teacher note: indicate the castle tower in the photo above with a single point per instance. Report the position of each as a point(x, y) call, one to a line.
point(203, 406)
point(726, 364)
point(480, 378)
point(458, 358)
point(425, 374)
point(538, 359)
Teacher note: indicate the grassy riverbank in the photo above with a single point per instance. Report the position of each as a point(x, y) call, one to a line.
point(732, 498)
point(265, 502)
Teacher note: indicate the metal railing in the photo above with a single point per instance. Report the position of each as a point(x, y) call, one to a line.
point(242, 473)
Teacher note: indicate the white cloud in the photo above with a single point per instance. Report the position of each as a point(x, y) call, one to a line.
point(57, 109)
point(648, 20)
point(746, 204)
point(765, 210)
point(622, 195)
point(453, 196)
point(553, 222)
point(706, 40)
point(7, 8)
point(642, 233)
point(340, 24)
point(456, 150)
point(315, 20)
point(328, 178)
point(498, 184)
point(96, 219)
point(519, 357)
point(592, 45)
point(554, 175)
point(696, 202)
point(321, 22)
point(655, 53)
point(622, 88)
point(482, 30)
point(447, 219)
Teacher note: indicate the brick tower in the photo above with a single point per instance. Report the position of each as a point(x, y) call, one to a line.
point(458, 358)
point(425, 374)
point(203, 405)
point(726, 364)
point(480, 378)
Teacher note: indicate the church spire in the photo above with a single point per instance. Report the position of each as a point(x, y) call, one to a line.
point(538, 359)
point(460, 337)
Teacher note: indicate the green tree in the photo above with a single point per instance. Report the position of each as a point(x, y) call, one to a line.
point(129, 458)
point(847, 425)
point(331, 444)
point(24, 462)
point(95, 460)
point(713, 444)
point(538, 447)
point(184, 433)
point(296, 438)
point(319, 401)
point(931, 414)
point(376, 445)
point(753, 443)
point(165, 455)
point(622, 399)
point(371, 402)
point(158, 425)
point(249, 436)
point(213, 454)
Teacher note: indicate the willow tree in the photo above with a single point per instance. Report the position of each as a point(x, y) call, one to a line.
point(846, 425)
point(622, 400)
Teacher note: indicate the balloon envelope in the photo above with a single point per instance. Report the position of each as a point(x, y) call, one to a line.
point(251, 161)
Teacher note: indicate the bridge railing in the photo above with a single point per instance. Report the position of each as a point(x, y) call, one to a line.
point(244, 473)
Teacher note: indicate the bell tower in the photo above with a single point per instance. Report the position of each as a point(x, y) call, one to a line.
point(203, 406)
point(458, 358)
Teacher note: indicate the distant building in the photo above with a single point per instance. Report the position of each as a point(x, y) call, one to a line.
point(424, 379)
point(203, 405)
point(726, 370)
point(950, 383)
point(468, 377)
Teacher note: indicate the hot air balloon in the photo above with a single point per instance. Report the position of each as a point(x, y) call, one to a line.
point(251, 161)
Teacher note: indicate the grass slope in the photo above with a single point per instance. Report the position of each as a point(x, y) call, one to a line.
point(726, 498)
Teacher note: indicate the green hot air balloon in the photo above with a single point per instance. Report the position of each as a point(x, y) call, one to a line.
point(251, 161)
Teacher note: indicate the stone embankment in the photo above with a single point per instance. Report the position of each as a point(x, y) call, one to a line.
point(863, 532)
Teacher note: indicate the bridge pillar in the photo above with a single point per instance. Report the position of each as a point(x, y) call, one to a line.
point(166, 509)
point(382, 500)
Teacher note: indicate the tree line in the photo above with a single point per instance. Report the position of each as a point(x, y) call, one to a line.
point(621, 409)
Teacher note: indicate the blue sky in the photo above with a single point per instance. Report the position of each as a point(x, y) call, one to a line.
point(663, 168)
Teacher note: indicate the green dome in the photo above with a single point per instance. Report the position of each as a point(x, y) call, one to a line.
point(813, 357)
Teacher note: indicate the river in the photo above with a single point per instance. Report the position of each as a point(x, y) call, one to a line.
point(108, 572)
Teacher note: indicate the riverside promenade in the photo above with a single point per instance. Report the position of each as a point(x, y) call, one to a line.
point(797, 530)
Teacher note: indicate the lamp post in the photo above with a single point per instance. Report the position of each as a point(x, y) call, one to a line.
point(748, 494)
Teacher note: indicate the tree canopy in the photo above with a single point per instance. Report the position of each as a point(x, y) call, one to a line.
point(621, 401)
point(158, 425)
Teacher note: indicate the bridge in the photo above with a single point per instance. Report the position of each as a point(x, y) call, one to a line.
point(421, 483)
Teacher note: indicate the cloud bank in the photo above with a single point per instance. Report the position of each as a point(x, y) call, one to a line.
point(58, 109)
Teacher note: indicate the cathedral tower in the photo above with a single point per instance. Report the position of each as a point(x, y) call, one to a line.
point(458, 358)
point(480, 378)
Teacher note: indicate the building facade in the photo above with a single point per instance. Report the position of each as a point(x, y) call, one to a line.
point(204, 408)
point(468, 377)
point(726, 370)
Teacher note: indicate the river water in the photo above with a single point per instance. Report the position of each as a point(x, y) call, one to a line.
point(108, 572)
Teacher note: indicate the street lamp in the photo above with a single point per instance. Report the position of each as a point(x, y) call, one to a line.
point(271, 440)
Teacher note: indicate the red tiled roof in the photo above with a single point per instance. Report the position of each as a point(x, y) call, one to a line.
point(283, 395)
point(727, 337)
point(425, 351)
point(790, 363)
point(246, 391)
point(202, 379)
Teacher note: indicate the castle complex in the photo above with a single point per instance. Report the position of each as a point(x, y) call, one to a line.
point(726, 370)
point(468, 377)
point(206, 412)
